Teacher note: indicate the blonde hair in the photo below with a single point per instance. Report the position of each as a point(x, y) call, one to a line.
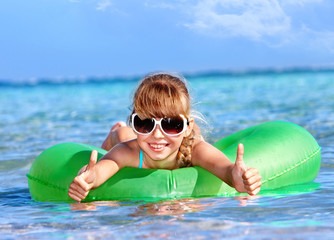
point(160, 95)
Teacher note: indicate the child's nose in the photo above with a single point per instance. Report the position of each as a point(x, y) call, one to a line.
point(157, 133)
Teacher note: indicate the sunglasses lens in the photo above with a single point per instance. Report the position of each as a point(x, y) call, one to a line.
point(143, 126)
point(172, 126)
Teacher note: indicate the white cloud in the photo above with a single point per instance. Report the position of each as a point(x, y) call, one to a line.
point(159, 4)
point(318, 40)
point(254, 19)
point(299, 2)
point(103, 5)
point(268, 21)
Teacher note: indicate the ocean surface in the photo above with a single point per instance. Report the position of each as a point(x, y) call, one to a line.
point(36, 114)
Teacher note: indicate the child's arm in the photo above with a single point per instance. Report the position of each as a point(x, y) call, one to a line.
point(236, 174)
point(95, 174)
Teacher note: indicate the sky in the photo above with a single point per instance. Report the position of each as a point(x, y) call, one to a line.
point(107, 38)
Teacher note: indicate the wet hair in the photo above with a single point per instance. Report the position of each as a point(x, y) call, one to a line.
point(162, 95)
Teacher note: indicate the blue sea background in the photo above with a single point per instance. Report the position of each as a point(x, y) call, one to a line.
point(39, 113)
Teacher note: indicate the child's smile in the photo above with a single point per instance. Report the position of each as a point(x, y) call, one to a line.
point(158, 147)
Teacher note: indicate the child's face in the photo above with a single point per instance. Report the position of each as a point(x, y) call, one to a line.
point(161, 149)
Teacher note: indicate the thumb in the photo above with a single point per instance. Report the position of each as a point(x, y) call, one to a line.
point(239, 162)
point(92, 160)
point(89, 174)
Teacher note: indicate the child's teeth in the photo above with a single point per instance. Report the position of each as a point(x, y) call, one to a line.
point(157, 146)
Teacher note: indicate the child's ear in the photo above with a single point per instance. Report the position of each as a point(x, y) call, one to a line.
point(189, 127)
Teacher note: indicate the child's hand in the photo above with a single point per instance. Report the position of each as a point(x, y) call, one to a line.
point(84, 182)
point(245, 179)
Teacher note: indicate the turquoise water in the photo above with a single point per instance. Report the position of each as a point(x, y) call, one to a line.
point(37, 115)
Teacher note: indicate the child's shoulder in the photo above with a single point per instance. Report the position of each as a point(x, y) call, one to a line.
point(131, 145)
point(126, 154)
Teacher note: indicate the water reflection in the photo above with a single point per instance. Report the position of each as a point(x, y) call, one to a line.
point(247, 200)
point(92, 206)
point(166, 207)
point(171, 207)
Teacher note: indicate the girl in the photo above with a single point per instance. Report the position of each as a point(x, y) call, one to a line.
point(162, 135)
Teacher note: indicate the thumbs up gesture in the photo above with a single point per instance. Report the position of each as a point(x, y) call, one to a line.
point(245, 179)
point(85, 180)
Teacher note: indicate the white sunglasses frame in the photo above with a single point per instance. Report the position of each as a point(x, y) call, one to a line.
point(158, 122)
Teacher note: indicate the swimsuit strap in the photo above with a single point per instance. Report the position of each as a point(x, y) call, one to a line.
point(140, 158)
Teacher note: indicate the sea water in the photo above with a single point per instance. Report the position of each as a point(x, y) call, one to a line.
point(35, 115)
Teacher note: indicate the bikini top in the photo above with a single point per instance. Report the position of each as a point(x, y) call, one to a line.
point(140, 159)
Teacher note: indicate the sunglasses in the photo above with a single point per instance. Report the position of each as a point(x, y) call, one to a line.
point(169, 126)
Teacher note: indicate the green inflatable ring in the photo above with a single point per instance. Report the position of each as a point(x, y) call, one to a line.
point(284, 153)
